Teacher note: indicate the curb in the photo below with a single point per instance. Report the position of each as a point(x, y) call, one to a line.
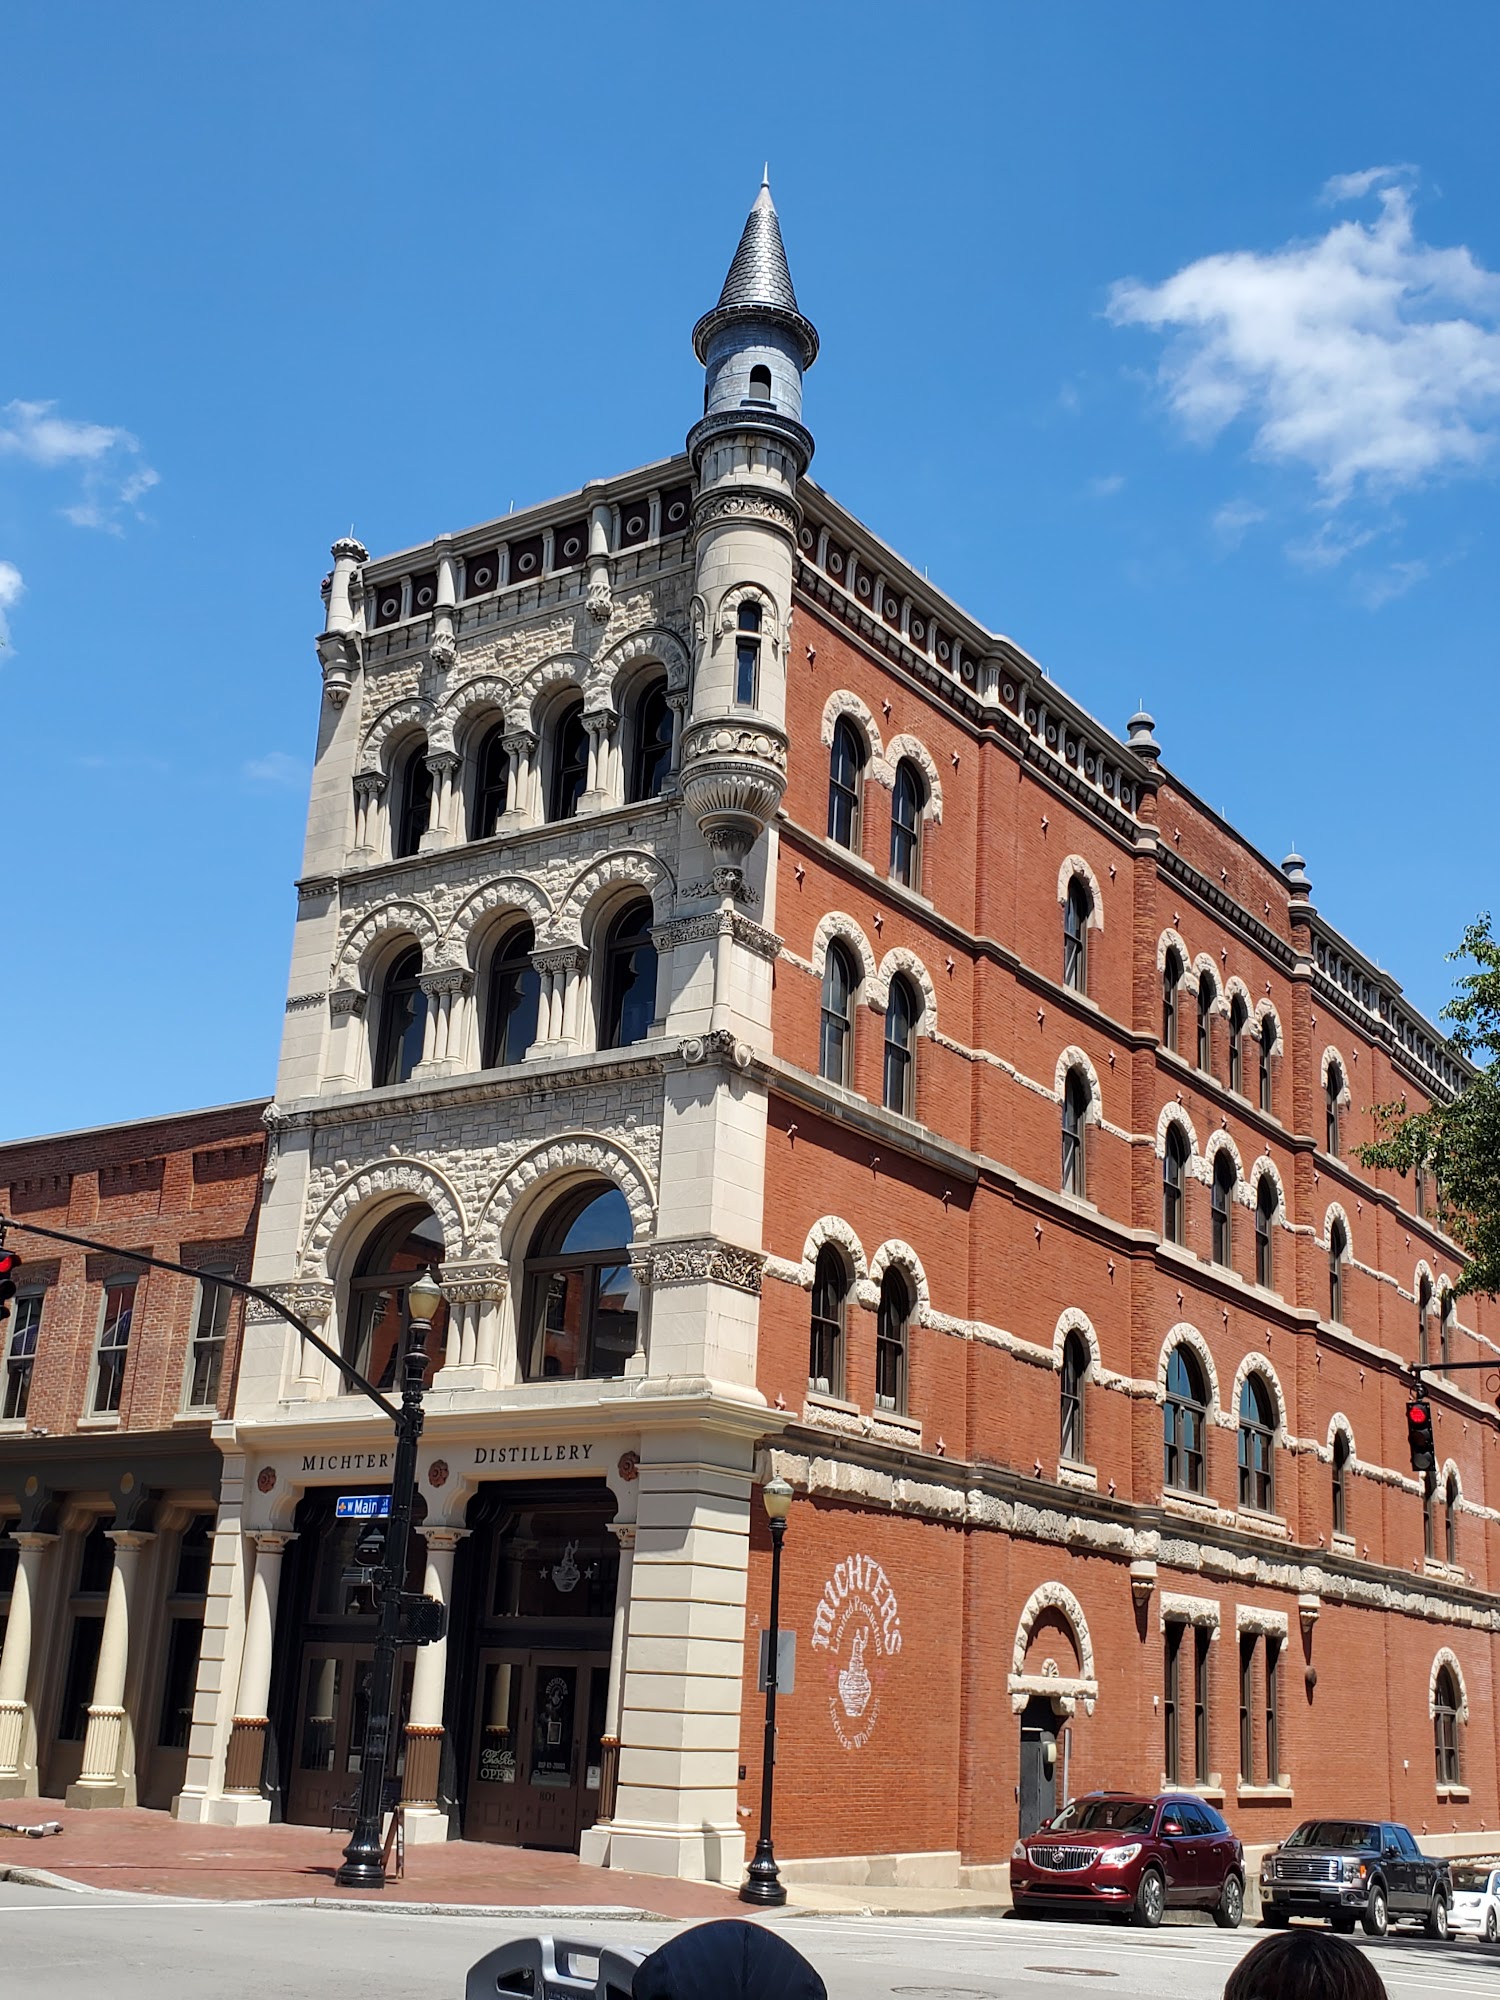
point(585, 1913)
point(43, 1878)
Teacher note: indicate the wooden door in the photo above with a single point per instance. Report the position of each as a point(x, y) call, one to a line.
point(492, 1809)
point(330, 1730)
point(534, 1772)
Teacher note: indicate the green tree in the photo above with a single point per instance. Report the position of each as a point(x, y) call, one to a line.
point(1459, 1143)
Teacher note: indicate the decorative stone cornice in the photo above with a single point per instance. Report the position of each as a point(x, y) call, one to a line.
point(311, 1299)
point(718, 1045)
point(446, 979)
point(477, 1283)
point(767, 508)
point(369, 784)
point(346, 1000)
point(696, 1260)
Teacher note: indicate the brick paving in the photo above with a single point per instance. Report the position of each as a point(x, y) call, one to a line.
point(150, 1853)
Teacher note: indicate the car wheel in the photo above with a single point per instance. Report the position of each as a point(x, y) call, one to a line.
point(1343, 1925)
point(1491, 1928)
point(1231, 1904)
point(1150, 1900)
point(1437, 1920)
point(1376, 1918)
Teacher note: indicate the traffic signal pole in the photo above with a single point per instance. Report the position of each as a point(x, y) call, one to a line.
point(364, 1861)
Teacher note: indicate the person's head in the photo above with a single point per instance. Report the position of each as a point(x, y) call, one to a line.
point(1304, 1965)
point(728, 1960)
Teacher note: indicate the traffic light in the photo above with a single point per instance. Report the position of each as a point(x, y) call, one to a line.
point(1419, 1435)
point(9, 1260)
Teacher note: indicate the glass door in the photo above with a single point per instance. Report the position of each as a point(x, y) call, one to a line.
point(328, 1750)
point(535, 1765)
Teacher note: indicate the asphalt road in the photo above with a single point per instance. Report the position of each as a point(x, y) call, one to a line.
point(60, 1946)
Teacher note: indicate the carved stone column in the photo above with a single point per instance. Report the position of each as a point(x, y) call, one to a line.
point(475, 1293)
point(561, 969)
point(311, 1299)
point(425, 1819)
point(677, 702)
point(443, 1045)
point(624, 1534)
point(444, 766)
point(599, 788)
point(108, 1774)
point(346, 1006)
point(521, 807)
point(247, 1741)
point(369, 789)
point(18, 1778)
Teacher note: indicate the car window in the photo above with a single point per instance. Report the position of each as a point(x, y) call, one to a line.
point(1471, 1881)
point(1405, 1842)
point(1195, 1819)
point(1105, 1816)
point(1334, 1833)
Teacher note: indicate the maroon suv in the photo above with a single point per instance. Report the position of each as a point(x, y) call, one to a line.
point(1135, 1856)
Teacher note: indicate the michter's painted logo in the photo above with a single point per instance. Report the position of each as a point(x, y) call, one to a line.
point(858, 1624)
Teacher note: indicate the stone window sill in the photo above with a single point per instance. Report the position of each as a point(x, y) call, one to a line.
point(13, 1427)
point(1181, 1500)
point(1250, 1795)
point(819, 1399)
point(207, 1415)
point(1457, 1795)
point(1212, 1794)
point(106, 1420)
point(1072, 1472)
point(897, 1420)
point(1256, 1523)
point(1344, 1545)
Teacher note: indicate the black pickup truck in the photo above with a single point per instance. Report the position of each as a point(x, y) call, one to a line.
point(1348, 1870)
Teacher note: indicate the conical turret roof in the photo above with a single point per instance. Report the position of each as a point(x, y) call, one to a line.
point(759, 284)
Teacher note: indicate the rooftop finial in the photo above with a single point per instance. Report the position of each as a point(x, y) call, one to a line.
point(765, 175)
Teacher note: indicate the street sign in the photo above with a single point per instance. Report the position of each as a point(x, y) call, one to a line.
point(362, 1506)
point(786, 1661)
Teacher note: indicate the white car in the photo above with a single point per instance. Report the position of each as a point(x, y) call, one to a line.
point(1475, 1909)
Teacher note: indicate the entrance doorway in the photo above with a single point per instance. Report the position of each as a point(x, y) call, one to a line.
point(535, 1764)
point(1038, 1787)
point(328, 1748)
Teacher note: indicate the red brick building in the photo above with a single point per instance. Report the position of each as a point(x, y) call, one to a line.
point(1094, 1340)
point(111, 1378)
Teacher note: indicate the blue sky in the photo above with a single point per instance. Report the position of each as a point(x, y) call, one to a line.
point(1164, 337)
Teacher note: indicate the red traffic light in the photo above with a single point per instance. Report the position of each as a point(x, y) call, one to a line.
point(1418, 1413)
point(9, 1259)
point(1419, 1435)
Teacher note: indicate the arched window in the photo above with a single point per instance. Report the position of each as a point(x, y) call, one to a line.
point(627, 1003)
point(511, 1002)
point(1338, 1249)
point(1174, 1162)
point(1206, 997)
point(1257, 1438)
point(1238, 1015)
point(402, 1020)
point(760, 384)
point(1184, 1416)
point(491, 783)
point(836, 1035)
point(397, 1254)
point(1445, 1714)
point(1424, 1307)
point(891, 1319)
point(1340, 1483)
point(1222, 1208)
point(903, 1010)
point(1450, 1521)
point(1171, 982)
point(651, 744)
point(747, 653)
point(1445, 1330)
point(413, 803)
point(846, 764)
point(1077, 1098)
point(1077, 910)
point(830, 1293)
point(582, 1302)
point(570, 763)
point(1332, 1091)
point(1266, 1049)
point(1075, 1368)
point(908, 798)
point(1267, 1204)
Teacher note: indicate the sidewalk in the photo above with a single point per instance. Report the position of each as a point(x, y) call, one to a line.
point(149, 1853)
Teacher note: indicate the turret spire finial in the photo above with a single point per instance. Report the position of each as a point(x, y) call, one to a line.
point(759, 283)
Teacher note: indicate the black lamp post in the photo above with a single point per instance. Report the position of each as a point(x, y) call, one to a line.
point(763, 1883)
point(364, 1857)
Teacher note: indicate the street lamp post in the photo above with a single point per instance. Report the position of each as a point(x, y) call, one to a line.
point(364, 1857)
point(763, 1882)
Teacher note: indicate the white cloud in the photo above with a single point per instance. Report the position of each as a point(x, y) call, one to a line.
point(1382, 587)
point(1365, 356)
point(11, 588)
point(1234, 520)
point(1350, 187)
point(1106, 486)
point(276, 768)
point(110, 464)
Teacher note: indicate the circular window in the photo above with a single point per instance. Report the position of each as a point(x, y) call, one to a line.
point(483, 577)
point(425, 596)
point(1052, 736)
point(1031, 718)
point(1008, 691)
point(527, 563)
point(572, 549)
point(918, 629)
point(863, 586)
point(636, 525)
point(390, 607)
point(892, 608)
point(945, 651)
point(968, 670)
point(835, 562)
point(806, 538)
point(1072, 747)
point(677, 512)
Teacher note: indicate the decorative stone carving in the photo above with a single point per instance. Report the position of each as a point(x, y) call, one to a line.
point(474, 1283)
point(600, 603)
point(401, 715)
point(443, 651)
point(346, 1000)
point(718, 1045)
point(338, 654)
point(779, 514)
point(577, 1153)
point(389, 1177)
point(707, 1259)
point(723, 882)
point(733, 778)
